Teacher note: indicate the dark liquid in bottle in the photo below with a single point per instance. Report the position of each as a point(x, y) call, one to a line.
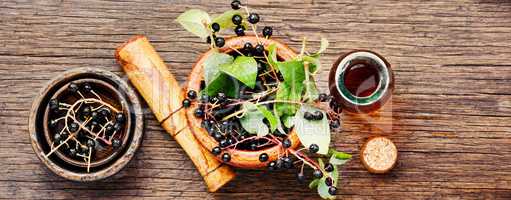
point(361, 79)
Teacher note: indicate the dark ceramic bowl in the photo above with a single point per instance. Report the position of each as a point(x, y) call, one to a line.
point(108, 161)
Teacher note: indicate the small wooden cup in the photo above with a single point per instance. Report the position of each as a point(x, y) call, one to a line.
point(60, 164)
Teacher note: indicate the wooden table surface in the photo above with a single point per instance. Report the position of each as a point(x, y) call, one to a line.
point(450, 115)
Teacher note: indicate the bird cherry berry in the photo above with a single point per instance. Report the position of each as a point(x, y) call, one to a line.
point(286, 143)
point(253, 18)
point(329, 167)
point(237, 19)
point(226, 157)
point(313, 148)
point(332, 190)
point(267, 31)
point(239, 30)
point(219, 42)
point(317, 173)
point(215, 26)
point(236, 5)
point(263, 157)
point(216, 151)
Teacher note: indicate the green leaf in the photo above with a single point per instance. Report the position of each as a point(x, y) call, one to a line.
point(311, 92)
point(269, 116)
point(314, 183)
point(195, 21)
point(222, 83)
point(225, 19)
point(338, 158)
point(288, 121)
point(323, 47)
point(244, 69)
point(272, 56)
point(313, 131)
point(314, 63)
point(288, 93)
point(292, 71)
point(252, 120)
point(212, 65)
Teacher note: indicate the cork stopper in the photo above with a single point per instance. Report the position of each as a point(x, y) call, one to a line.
point(379, 155)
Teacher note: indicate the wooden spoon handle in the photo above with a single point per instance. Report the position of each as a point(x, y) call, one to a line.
point(149, 74)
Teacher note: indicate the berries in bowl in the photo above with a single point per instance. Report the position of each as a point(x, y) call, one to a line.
point(86, 124)
point(253, 102)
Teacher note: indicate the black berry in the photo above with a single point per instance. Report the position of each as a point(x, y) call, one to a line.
point(199, 113)
point(248, 47)
point(86, 111)
point(259, 49)
point(94, 115)
point(308, 116)
point(236, 5)
point(54, 104)
point(221, 97)
point(300, 177)
point(116, 143)
point(263, 157)
point(239, 30)
point(237, 19)
point(218, 136)
point(224, 143)
point(267, 31)
point(208, 40)
point(215, 26)
point(226, 157)
point(253, 18)
point(73, 87)
point(253, 146)
point(323, 97)
point(313, 148)
point(332, 190)
point(216, 151)
point(192, 94)
point(287, 162)
point(317, 174)
point(186, 103)
point(117, 126)
point(329, 167)
point(109, 128)
point(120, 118)
point(72, 152)
point(73, 127)
point(318, 115)
point(87, 87)
point(272, 165)
point(335, 124)
point(286, 143)
point(219, 42)
point(91, 143)
point(57, 137)
point(53, 123)
point(105, 112)
point(329, 181)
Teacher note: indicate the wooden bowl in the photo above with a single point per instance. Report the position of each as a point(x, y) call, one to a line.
point(114, 89)
point(239, 158)
point(108, 94)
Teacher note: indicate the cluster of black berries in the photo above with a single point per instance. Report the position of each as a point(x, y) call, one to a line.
point(253, 18)
point(88, 117)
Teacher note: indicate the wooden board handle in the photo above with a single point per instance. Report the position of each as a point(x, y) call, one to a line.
point(149, 74)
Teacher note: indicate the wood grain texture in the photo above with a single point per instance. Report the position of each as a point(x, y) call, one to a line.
point(450, 116)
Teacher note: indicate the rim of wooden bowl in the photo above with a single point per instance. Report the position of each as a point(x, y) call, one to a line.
point(239, 158)
point(53, 163)
point(118, 97)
